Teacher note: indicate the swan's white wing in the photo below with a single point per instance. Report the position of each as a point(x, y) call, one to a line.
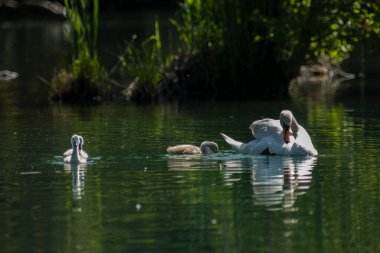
point(83, 154)
point(304, 143)
point(268, 133)
point(303, 137)
point(74, 160)
point(68, 152)
point(67, 159)
point(265, 128)
point(236, 145)
point(255, 147)
point(252, 148)
point(183, 149)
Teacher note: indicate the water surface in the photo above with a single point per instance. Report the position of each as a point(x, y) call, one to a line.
point(133, 197)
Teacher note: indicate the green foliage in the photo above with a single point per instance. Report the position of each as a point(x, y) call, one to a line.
point(141, 67)
point(87, 68)
point(84, 22)
point(87, 74)
point(197, 29)
point(345, 23)
point(239, 43)
point(216, 32)
point(227, 46)
point(319, 29)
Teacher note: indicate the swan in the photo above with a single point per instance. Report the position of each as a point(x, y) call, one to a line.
point(206, 148)
point(75, 157)
point(276, 137)
point(82, 153)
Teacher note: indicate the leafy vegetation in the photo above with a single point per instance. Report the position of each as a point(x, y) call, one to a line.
point(85, 79)
point(320, 29)
point(142, 67)
point(228, 48)
point(243, 43)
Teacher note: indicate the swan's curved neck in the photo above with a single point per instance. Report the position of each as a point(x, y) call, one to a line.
point(208, 147)
point(205, 149)
point(75, 154)
point(294, 127)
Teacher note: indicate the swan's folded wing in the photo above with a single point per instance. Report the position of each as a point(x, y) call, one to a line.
point(83, 154)
point(300, 150)
point(304, 141)
point(67, 159)
point(267, 128)
point(68, 152)
point(183, 150)
point(254, 147)
point(236, 145)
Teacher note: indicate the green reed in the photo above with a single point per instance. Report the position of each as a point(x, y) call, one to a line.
point(142, 67)
point(83, 16)
point(84, 24)
point(83, 80)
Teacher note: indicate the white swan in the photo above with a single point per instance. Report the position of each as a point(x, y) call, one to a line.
point(206, 148)
point(276, 137)
point(82, 153)
point(75, 156)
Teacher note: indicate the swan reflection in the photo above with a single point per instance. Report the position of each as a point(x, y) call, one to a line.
point(78, 172)
point(191, 162)
point(276, 181)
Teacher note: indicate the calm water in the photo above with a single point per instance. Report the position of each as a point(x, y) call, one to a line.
point(132, 197)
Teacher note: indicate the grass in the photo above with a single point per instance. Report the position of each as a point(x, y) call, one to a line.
point(85, 79)
point(142, 67)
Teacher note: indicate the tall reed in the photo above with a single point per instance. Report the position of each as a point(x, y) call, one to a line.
point(83, 80)
point(83, 16)
point(142, 67)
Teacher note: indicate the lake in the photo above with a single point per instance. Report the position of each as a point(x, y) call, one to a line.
point(133, 197)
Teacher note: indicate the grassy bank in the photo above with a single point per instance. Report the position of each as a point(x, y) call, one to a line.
point(229, 49)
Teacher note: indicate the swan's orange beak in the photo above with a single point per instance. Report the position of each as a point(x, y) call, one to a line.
point(286, 135)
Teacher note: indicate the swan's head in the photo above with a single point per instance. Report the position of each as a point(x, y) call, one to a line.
point(209, 147)
point(288, 122)
point(75, 141)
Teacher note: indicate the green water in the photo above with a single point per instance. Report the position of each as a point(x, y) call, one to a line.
point(132, 197)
